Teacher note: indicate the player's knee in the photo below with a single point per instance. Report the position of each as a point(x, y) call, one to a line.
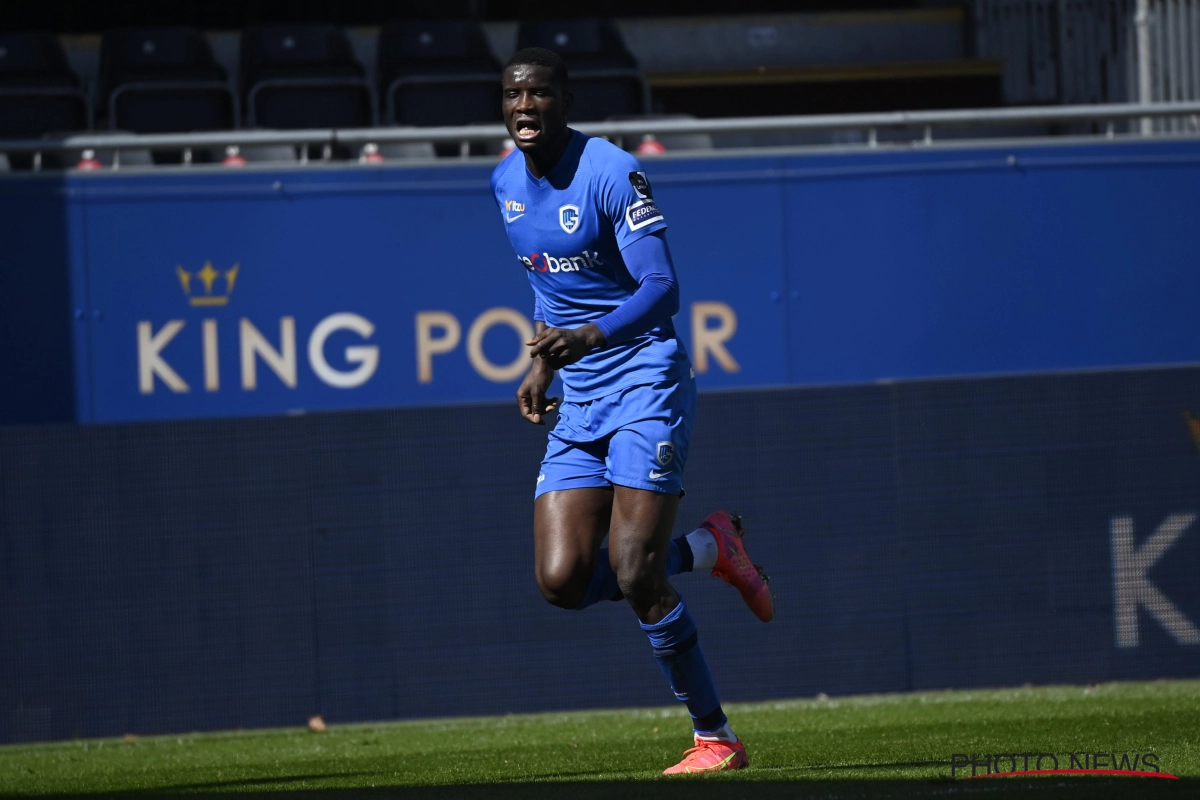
point(563, 585)
point(637, 571)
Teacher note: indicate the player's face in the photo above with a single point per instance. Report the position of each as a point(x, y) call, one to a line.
point(535, 107)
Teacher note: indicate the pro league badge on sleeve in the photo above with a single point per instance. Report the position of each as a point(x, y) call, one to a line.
point(644, 211)
point(641, 185)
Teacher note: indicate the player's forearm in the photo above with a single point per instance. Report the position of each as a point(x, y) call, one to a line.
point(657, 297)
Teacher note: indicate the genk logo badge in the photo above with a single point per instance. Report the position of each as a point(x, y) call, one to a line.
point(664, 453)
point(568, 218)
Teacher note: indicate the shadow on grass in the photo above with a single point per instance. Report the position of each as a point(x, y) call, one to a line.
point(703, 788)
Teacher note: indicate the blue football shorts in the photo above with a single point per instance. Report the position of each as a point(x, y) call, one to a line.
point(636, 437)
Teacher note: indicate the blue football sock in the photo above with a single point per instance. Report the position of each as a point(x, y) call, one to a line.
point(679, 556)
point(604, 580)
point(679, 656)
point(603, 585)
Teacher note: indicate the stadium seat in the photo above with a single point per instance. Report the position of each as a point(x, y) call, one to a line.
point(303, 76)
point(604, 75)
point(163, 81)
point(438, 72)
point(38, 91)
point(585, 44)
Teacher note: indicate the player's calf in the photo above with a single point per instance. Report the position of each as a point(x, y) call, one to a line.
point(641, 578)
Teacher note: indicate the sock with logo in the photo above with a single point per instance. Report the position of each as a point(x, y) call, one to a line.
point(604, 580)
point(678, 653)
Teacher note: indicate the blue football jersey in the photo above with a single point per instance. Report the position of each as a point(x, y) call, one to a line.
point(568, 229)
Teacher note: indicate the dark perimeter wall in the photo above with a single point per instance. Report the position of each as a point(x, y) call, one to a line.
point(376, 565)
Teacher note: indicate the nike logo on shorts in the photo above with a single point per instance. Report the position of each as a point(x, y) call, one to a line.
point(656, 475)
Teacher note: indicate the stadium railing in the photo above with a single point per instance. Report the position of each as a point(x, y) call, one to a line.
point(1104, 118)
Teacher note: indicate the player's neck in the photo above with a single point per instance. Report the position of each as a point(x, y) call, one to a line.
point(540, 163)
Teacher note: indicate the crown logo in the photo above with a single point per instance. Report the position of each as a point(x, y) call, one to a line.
point(208, 276)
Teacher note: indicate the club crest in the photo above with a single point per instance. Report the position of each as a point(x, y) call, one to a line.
point(568, 218)
point(664, 453)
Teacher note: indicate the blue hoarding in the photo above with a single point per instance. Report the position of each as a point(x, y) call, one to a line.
point(202, 294)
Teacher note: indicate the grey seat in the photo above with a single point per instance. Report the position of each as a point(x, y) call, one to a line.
point(302, 75)
point(605, 78)
point(38, 91)
point(437, 72)
point(162, 80)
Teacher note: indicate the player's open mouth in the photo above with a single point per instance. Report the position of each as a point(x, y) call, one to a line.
point(527, 130)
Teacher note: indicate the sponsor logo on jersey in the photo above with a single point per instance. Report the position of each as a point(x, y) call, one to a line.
point(568, 218)
point(641, 185)
point(642, 213)
point(544, 262)
point(513, 210)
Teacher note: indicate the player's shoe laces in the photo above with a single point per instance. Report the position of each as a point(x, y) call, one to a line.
point(734, 566)
point(709, 756)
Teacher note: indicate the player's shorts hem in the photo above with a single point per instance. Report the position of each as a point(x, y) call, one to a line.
point(560, 484)
point(668, 487)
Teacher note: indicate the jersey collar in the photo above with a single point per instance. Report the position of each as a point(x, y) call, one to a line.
point(567, 157)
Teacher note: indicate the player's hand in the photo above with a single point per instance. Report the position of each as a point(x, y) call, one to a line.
point(559, 347)
point(531, 396)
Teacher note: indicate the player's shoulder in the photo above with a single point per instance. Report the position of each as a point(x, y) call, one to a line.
point(505, 166)
point(607, 161)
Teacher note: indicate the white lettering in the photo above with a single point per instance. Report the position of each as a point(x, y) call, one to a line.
point(212, 375)
point(366, 356)
point(281, 362)
point(150, 363)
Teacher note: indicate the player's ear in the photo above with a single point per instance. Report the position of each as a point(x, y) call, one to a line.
point(568, 101)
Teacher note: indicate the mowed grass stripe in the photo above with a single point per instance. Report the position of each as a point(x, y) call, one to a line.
point(872, 746)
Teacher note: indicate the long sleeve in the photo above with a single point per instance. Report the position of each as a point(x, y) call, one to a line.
point(656, 300)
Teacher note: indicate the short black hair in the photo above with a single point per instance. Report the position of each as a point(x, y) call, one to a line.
point(541, 57)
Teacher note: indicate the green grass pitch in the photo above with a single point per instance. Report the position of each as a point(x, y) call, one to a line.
point(876, 746)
